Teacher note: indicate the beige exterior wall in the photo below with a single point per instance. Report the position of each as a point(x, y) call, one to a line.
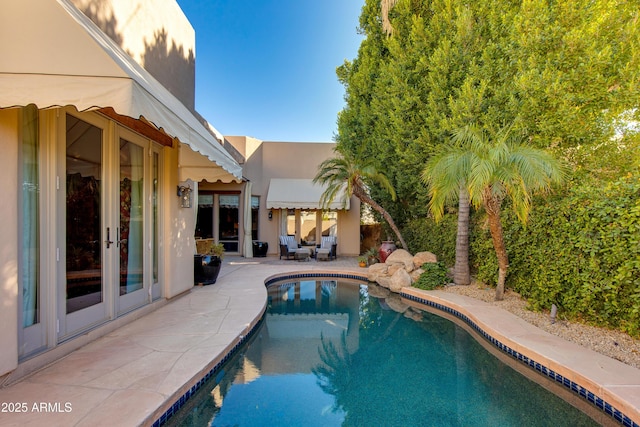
point(9, 241)
point(270, 159)
point(156, 34)
point(177, 245)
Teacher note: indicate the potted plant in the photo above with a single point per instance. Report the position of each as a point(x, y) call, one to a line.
point(371, 256)
point(362, 261)
point(206, 265)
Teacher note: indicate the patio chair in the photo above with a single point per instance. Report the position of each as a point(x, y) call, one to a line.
point(288, 246)
point(327, 248)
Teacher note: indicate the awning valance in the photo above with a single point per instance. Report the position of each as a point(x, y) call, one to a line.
point(299, 194)
point(62, 58)
point(197, 167)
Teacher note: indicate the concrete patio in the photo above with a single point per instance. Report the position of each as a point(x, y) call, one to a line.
point(132, 375)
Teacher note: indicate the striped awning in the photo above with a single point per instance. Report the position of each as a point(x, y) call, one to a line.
point(58, 57)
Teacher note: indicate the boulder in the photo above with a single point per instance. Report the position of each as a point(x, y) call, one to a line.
point(376, 270)
point(399, 280)
point(423, 257)
point(384, 281)
point(400, 256)
point(415, 275)
point(393, 268)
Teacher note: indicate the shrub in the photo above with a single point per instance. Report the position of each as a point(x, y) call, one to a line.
point(440, 239)
point(434, 276)
point(580, 251)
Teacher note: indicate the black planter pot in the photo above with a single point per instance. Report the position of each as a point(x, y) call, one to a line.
point(206, 269)
point(260, 249)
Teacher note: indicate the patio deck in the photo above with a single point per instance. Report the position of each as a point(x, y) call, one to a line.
point(132, 375)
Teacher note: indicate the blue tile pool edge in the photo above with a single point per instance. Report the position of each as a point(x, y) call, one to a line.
point(572, 386)
point(182, 400)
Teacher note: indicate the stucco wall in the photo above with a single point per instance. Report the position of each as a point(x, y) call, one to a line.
point(273, 159)
point(178, 244)
point(9, 241)
point(156, 34)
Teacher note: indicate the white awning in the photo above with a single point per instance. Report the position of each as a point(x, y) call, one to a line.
point(299, 194)
point(197, 167)
point(58, 57)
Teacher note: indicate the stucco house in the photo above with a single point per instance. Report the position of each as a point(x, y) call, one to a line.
point(111, 175)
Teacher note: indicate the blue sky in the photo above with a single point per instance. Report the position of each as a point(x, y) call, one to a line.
point(266, 68)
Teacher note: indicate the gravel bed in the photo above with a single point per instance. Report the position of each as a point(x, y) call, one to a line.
point(615, 344)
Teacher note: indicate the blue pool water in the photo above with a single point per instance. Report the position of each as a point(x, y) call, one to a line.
point(330, 354)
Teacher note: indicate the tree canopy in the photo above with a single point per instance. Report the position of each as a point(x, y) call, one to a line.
point(565, 73)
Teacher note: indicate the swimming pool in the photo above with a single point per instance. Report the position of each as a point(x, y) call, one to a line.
point(330, 353)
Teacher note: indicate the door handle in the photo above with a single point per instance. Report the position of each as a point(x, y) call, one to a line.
point(109, 242)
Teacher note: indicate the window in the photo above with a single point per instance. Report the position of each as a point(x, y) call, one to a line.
point(204, 221)
point(291, 222)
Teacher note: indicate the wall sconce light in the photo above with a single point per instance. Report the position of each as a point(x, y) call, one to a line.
point(185, 196)
point(270, 214)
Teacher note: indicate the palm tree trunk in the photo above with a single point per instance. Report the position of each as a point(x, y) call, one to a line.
point(369, 201)
point(461, 274)
point(492, 206)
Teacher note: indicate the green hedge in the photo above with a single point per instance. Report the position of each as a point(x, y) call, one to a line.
point(580, 250)
point(440, 239)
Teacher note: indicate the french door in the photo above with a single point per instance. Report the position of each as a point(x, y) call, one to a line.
point(108, 206)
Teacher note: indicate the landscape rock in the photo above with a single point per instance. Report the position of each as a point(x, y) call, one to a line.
point(393, 268)
point(400, 256)
point(424, 257)
point(385, 281)
point(415, 275)
point(376, 270)
point(399, 280)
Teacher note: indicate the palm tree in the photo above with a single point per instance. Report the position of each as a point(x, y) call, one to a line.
point(461, 274)
point(344, 172)
point(386, 6)
point(490, 169)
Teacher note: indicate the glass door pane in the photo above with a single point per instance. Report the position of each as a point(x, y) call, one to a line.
point(154, 217)
point(32, 335)
point(308, 227)
point(84, 192)
point(228, 224)
point(291, 222)
point(131, 217)
point(30, 174)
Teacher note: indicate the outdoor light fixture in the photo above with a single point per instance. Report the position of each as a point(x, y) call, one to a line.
point(185, 196)
point(270, 214)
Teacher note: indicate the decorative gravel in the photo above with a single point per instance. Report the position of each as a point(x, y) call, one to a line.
point(615, 344)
